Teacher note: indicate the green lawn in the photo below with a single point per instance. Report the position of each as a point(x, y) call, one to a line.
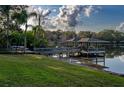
point(36, 70)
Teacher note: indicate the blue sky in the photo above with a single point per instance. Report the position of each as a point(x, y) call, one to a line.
point(106, 17)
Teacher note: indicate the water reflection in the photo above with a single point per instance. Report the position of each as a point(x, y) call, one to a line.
point(121, 58)
point(115, 60)
point(115, 65)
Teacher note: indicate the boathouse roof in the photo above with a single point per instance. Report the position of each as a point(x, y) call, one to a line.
point(92, 40)
point(85, 40)
point(71, 40)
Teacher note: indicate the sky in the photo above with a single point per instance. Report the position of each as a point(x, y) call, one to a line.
point(83, 18)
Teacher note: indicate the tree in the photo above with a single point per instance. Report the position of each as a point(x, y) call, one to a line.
point(38, 35)
point(40, 19)
point(22, 18)
point(5, 12)
point(110, 35)
point(85, 34)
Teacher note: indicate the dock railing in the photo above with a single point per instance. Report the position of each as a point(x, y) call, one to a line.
point(96, 49)
point(55, 50)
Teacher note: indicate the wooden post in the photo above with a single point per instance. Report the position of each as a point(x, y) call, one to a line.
point(104, 59)
point(96, 58)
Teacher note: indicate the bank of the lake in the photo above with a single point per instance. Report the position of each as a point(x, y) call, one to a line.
point(37, 70)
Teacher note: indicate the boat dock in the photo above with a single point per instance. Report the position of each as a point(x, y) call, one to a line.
point(69, 51)
point(53, 51)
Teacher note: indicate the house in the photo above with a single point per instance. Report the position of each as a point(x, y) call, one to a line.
point(85, 42)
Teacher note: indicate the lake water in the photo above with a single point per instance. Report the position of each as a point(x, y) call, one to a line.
point(114, 61)
point(115, 64)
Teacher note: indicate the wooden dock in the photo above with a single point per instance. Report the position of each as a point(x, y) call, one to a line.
point(53, 51)
point(94, 51)
point(69, 51)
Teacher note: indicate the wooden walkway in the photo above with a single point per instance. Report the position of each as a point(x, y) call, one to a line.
point(52, 51)
point(69, 51)
point(66, 50)
point(94, 51)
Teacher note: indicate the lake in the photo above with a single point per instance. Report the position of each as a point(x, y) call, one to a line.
point(114, 60)
point(115, 64)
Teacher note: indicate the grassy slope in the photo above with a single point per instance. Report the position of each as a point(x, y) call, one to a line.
point(34, 70)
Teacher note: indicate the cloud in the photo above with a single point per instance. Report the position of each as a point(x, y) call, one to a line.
point(54, 10)
point(88, 10)
point(120, 27)
point(46, 13)
point(69, 15)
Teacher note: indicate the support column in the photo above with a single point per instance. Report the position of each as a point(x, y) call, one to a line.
point(96, 58)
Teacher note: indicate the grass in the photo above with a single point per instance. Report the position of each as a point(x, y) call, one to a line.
point(37, 70)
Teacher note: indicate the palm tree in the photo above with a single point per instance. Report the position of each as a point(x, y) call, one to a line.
point(22, 18)
point(6, 12)
point(40, 16)
point(37, 29)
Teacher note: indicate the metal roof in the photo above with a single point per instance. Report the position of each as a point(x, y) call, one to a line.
point(92, 40)
point(85, 40)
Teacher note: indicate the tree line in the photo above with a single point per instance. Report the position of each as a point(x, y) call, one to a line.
point(13, 17)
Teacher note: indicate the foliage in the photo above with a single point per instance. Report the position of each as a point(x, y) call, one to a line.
point(11, 20)
point(17, 38)
point(110, 35)
point(85, 34)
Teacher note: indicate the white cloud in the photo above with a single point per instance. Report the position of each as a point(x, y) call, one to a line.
point(69, 15)
point(120, 27)
point(88, 10)
point(54, 10)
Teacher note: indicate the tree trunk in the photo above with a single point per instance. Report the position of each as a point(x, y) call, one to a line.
point(39, 20)
point(25, 39)
point(7, 33)
point(34, 38)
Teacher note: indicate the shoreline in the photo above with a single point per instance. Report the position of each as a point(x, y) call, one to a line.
point(91, 66)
